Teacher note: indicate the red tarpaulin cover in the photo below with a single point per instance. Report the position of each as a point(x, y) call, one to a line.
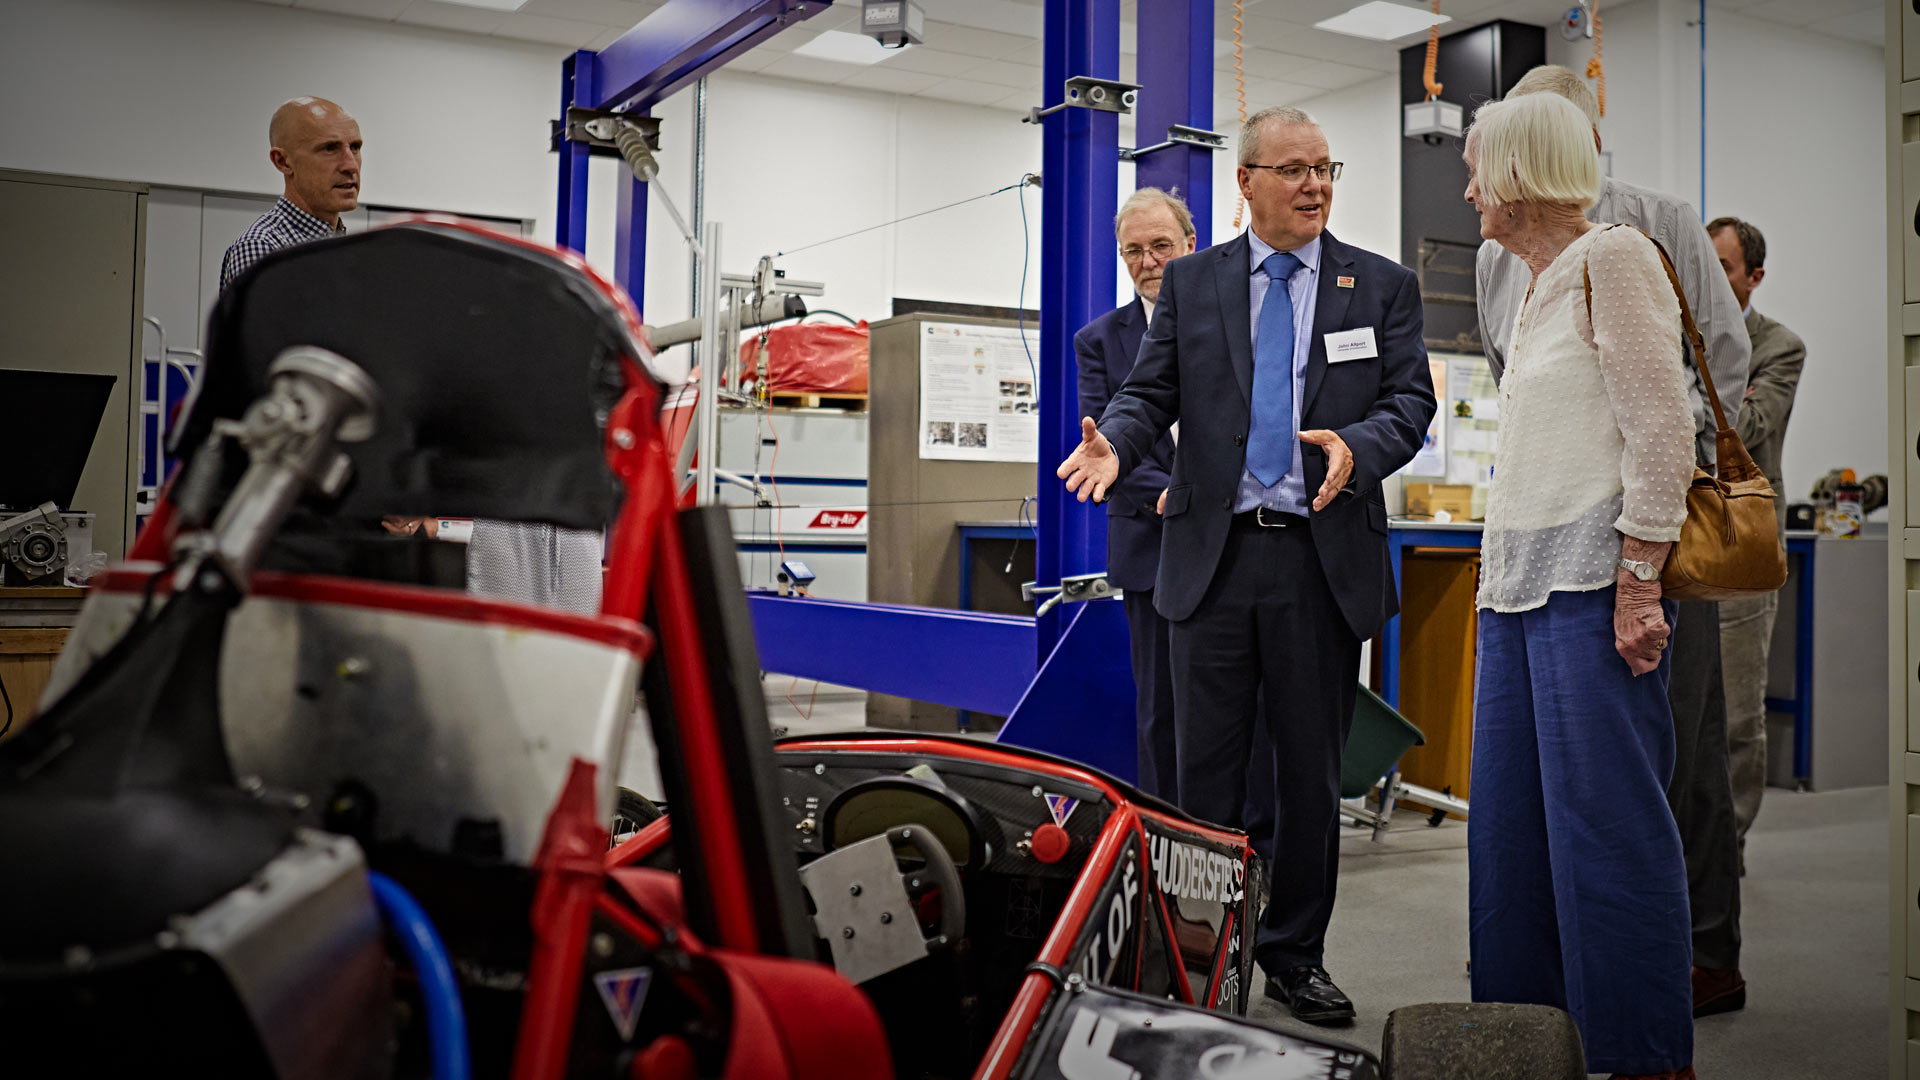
point(810, 357)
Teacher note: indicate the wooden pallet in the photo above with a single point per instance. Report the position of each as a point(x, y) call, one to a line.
point(852, 401)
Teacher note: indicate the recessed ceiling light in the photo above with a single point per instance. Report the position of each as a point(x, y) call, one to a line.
point(844, 48)
point(490, 5)
point(1382, 21)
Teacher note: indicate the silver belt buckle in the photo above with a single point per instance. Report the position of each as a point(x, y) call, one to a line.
point(1260, 518)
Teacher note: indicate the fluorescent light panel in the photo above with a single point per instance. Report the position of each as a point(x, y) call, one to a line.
point(490, 5)
point(844, 48)
point(1382, 20)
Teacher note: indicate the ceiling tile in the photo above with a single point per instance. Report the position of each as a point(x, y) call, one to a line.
point(929, 60)
point(890, 80)
point(808, 69)
point(841, 16)
point(607, 38)
point(452, 17)
point(621, 14)
point(999, 16)
point(366, 9)
point(966, 92)
point(752, 60)
point(549, 30)
point(1004, 74)
point(986, 44)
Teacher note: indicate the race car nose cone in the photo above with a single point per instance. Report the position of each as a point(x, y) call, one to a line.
point(1050, 843)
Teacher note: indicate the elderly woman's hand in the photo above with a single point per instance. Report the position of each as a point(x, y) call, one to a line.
point(1640, 630)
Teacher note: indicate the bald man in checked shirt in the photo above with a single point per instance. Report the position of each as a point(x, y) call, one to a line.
point(316, 147)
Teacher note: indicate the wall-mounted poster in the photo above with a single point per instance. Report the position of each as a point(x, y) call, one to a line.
point(979, 400)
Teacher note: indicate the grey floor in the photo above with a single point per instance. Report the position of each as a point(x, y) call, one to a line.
point(1814, 922)
point(1815, 926)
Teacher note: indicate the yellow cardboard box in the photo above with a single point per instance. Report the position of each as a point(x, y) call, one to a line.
point(1425, 498)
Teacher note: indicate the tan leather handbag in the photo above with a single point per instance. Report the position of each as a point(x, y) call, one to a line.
point(1729, 546)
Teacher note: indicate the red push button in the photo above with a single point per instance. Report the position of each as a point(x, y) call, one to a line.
point(1050, 843)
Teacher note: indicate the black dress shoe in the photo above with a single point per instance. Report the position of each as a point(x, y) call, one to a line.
point(1309, 991)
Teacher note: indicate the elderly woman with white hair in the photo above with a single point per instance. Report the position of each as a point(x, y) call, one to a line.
point(1578, 889)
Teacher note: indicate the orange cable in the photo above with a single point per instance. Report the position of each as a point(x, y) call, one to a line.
point(1240, 91)
point(1433, 56)
point(1596, 64)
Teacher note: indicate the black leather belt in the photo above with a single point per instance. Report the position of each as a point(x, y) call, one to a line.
point(1263, 518)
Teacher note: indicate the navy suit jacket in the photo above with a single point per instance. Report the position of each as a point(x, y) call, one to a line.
point(1105, 349)
point(1196, 366)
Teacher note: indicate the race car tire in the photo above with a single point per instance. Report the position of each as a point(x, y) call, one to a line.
point(1463, 1041)
point(632, 812)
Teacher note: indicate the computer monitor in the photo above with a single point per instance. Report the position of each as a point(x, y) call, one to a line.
point(47, 423)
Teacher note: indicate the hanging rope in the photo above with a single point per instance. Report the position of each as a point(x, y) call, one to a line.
point(1596, 66)
point(1240, 92)
point(1433, 56)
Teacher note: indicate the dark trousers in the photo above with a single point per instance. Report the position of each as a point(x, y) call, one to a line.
point(1701, 794)
point(1268, 650)
point(1153, 694)
point(1576, 887)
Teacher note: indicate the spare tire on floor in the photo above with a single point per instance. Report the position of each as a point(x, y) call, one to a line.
point(1462, 1041)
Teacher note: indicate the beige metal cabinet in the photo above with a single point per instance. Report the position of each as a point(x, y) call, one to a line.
point(70, 300)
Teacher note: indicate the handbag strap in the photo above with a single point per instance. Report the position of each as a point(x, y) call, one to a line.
point(1732, 462)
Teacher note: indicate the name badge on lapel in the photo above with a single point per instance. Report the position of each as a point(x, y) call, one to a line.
point(1343, 345)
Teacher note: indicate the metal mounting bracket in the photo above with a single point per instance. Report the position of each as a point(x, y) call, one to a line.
point(1180, 135)
point(1072, 590)
point(596, 129)
point(1087, 92)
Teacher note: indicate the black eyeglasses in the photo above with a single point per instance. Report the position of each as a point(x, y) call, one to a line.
point(1294, 174)
point(1161, 250)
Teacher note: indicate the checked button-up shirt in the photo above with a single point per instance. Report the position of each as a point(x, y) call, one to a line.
point(281, 227)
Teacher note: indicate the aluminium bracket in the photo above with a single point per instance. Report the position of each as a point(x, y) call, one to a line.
point(1180, 135)
point(1087, 92)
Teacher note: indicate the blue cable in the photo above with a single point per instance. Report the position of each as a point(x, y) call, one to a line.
point(439, 990)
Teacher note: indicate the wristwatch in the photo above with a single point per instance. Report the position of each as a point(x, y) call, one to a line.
point(1641, 569)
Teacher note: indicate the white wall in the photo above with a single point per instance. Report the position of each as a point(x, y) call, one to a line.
point(1795, 144)
point(179, 92)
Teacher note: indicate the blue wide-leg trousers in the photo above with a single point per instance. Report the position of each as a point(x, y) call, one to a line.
point(1577, 885)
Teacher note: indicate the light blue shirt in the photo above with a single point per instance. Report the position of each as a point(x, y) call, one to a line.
point(1290, 494)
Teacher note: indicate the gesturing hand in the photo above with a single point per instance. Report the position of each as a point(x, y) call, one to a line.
point(1339, 464)
point(1093, 467)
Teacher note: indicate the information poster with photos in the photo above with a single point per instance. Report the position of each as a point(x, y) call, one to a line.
point(1472, 408)
point(1431, 458)
point(978, 397)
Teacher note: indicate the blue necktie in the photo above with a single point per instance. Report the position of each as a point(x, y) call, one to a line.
point(1271, 436)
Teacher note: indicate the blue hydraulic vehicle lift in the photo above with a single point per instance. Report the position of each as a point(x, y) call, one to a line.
point(1063, 678)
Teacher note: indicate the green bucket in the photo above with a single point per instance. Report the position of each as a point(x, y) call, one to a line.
point(1374, 745)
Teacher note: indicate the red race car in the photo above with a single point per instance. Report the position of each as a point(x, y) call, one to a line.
point(297, 804)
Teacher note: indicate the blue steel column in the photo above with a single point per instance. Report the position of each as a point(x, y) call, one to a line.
point(1080, 166)
point(576, 88)
point(1176, 87)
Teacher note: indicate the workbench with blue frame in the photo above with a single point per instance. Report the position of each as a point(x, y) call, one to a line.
point(1404, 533)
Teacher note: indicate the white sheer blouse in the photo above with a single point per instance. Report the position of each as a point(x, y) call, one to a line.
point(1596, 434)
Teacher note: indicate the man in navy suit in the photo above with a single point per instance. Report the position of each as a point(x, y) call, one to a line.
point(1295, 367)
point(1153, 228)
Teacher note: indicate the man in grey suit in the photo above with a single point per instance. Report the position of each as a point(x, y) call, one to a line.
point(1296, 368)
point(1700, 795)
point(1746, 625)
